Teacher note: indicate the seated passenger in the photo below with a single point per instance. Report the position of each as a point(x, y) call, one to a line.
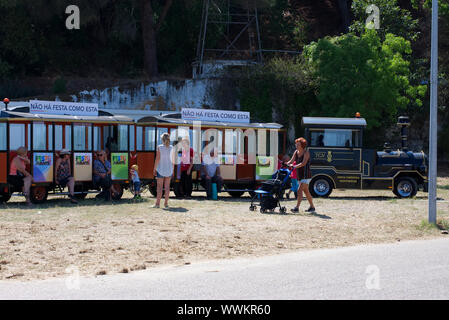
point(102, 175)
point(64, 174)
point(18, 176)
point(210, 172)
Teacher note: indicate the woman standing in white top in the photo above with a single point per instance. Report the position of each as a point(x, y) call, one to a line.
point(163, 168)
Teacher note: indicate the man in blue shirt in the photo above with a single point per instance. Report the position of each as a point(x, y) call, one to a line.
point(210, 172)
point(102, 175)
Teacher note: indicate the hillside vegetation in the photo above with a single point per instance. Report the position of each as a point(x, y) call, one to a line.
point(340, 67)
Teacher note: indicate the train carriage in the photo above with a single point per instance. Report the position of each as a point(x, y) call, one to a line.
point(44, 135)
point(247, 158)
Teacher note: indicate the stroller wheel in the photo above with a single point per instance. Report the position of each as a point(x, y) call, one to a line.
point(252, 207)
point(283, 210)
point(262, 210)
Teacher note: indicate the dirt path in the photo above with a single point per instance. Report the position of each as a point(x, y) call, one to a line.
point(99, 238)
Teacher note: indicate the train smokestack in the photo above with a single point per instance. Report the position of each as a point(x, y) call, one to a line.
point(404, 123)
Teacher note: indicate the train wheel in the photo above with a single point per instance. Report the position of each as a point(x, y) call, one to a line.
point(118, 191)
point(38, 194)
point(405, 187)
point(320, 187)
point(236, 194)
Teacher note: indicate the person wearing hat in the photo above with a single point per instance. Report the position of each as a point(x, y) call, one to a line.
point(64, 173)
point(18, 175)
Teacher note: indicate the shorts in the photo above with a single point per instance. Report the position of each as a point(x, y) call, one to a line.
point(136, 185)
point(305, 181)
point(295, 185)
point(159, 176)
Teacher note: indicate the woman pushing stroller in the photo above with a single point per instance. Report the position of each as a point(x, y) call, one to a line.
point(301, 157)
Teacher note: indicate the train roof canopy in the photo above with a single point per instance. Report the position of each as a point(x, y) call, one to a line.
point(175, 118)
point(333, 122)
point(24, 113)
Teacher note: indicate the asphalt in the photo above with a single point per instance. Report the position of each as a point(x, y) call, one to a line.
point(401, 270)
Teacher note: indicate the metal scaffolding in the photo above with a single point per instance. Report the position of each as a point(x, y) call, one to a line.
point(229, 34)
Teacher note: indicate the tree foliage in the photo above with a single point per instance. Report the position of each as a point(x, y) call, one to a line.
point(364, 74)
point(393, 19)
point(282, 90)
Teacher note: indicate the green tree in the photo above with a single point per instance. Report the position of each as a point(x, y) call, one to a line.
point(393, 19)
point(364, 74)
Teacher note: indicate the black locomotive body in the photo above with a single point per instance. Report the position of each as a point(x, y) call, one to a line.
point(340, 161)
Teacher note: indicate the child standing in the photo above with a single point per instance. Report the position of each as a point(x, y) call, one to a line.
point(136, 181)
point(294, 182)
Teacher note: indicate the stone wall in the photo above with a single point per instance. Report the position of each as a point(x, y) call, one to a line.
point(170, 95)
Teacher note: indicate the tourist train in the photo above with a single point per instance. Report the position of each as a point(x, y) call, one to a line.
point(249, 152)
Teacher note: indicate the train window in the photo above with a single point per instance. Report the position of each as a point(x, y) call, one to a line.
point(230, 139)
point(179, 133)
point(123, 137)
point(263, 142)
point(150, 138)
point(220, 141)
point(110, 138)
point(58, 137)
point(82, 135)
point(213, 138)
point(40, 136)
point(346, 138)
point(2, 136)
point(68, 137)
point(28, 140)
point(196, 145)
point(16, 136)
point(356, 139)
point(132, 137)
point(97, 138)
point(238, 145)
point(160, 131)
point(139, 136)
point(50, 136)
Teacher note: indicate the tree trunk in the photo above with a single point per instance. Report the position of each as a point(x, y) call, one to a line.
point(149, 40)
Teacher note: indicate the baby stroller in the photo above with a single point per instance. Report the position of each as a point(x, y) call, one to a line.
point(271, 192)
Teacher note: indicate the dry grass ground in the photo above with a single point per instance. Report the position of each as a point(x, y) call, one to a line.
point(99, 238)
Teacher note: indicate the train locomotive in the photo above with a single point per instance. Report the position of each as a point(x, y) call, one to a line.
point(339, 160)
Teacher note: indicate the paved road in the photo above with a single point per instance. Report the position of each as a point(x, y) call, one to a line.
point(402, 270)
